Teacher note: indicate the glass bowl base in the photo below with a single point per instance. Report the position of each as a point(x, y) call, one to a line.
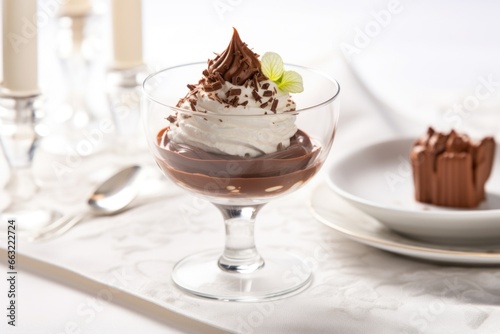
point(29, 219)
point(282, 275)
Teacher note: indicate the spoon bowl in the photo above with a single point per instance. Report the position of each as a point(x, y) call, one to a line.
point(116, 193)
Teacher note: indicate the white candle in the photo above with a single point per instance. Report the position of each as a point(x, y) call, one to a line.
point(20, 52)
point(127, 33)
point(75, 7)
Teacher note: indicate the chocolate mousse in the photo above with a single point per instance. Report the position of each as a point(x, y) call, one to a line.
point(451, 169)
point(234, 133)
point(222, 175)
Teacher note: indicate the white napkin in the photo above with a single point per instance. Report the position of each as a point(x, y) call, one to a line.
point(436, 63)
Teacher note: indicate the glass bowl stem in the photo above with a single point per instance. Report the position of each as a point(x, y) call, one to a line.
point(240, 254)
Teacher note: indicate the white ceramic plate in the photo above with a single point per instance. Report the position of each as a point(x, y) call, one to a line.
point(378, 180)
point(336, 213)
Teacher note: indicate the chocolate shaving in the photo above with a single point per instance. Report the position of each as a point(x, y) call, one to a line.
point(234, 101)
point(265, 86)
point(267, 93)
point(255, 83)
point(208, 89)
point(217, 98)
point(234, 91)
point(256, 96)
point(274, 105)
point(263, 105)
point(219, 77)
point(217, 85)
point(193, 105)
point(213, 86)
point(244, 103)
point(172, 118)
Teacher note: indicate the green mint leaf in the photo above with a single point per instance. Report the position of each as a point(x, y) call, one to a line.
point(272, 66)
point(291, 82)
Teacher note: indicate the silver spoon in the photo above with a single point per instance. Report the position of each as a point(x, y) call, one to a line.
point(109, 198)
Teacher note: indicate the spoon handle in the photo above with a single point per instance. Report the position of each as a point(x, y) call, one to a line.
point(63, 225)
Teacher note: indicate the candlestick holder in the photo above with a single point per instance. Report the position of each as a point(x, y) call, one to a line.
point(124, 89)
point(18, 139)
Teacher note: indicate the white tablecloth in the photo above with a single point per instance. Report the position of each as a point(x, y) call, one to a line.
point(111, 274)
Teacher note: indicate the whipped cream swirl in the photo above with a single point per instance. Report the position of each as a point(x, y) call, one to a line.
point(257, 123)
point(234, 108)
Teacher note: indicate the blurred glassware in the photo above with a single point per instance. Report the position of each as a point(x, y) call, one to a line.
point(18, 138)
point(74, 59)
point(124, 96)
point(71, 96)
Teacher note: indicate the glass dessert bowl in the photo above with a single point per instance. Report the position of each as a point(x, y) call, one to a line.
point(239, 145)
